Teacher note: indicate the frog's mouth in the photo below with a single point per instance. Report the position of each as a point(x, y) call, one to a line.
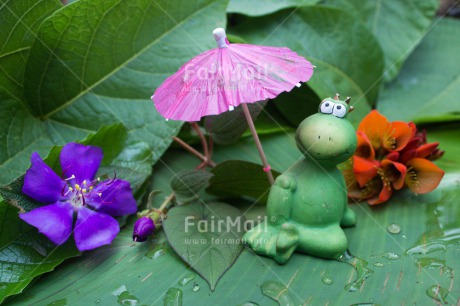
point(317, 155)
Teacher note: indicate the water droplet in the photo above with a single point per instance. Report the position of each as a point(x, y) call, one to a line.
point(327, 280)
point(249, 304)
point(378, 264)
point(187, 279)
point(394, 228)
point(362, 271)
point(438, 293)
point(98, 301)
point(155, 253)
point(277, 292)
point(390, 256)
point(165, 48)
point(195, 288)
point(173, 297)
point(124, 297)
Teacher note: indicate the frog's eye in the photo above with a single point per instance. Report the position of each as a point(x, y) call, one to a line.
point(339, 110)
point(327, 107)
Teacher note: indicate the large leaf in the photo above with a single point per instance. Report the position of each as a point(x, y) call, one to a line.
point(264, 7)
point(24, 253)
point(429, 84)
point(348, 58)
point(207, 236)
point(149, 270)
point(19, 21)
point(93, 65)
point(409, 19)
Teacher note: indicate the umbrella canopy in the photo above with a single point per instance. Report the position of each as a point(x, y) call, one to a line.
point(221, 79)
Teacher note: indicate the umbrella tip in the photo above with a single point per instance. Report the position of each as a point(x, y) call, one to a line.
point(298, 85)
point(230, 107)
point(220, 37)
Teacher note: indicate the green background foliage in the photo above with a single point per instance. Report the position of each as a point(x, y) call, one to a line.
point(86, 71)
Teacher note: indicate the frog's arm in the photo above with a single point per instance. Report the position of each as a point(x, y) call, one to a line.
point(280, 199)
point(349, 216)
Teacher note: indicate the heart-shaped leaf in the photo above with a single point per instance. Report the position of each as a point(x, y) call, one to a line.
point(240, 178)
point(187, 184)
point(206, 236)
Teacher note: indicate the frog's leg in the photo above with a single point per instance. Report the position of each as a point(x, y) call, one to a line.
point(348, 218)
point(326, 242)
point(263, 237)
point(286, 242)
point(280, 199)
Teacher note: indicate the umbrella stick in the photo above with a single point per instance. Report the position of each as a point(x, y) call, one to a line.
point(247, 114)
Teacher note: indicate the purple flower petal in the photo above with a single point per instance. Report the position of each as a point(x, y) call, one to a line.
point(143, 228)
point(54, 221)
point(41, 183)
point(81, 161)
point(94, 229)
point(115, 198)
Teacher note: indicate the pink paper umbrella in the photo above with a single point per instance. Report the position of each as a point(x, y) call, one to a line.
point(232, 74)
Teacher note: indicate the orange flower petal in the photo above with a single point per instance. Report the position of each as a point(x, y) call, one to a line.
point(364, 148)
point(364, 170)
point(413, 128)
point(374, 126)
point(423, 176)
point(397, 136)
point(394, 172)
point(425, 150)
point(394, 156)
point(384, 195)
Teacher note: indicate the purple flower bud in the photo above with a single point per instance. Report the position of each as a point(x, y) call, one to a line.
point(143, 228)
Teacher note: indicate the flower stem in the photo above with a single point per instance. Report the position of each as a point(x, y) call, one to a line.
point(167, 201)
point(194, 152)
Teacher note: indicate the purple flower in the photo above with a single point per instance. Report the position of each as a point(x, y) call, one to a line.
point(143, 228)
point(92, 201)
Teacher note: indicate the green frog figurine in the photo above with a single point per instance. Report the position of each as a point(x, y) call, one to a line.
point(308, 204)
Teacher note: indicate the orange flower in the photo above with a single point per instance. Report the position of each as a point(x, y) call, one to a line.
point(390, 156)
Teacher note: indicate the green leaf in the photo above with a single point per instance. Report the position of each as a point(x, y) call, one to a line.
point(264, 7)
point(347, 57)
point(203, 236)
point(428, 86)
point(154, 265)
point(188, 183)
point(19, 21)
point(92, 66)
point(240, 178)
point(409, 19)
point(24, 253)
point(228, 127)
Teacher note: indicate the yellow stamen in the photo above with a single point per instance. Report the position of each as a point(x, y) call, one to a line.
point(84, 182)
point(77, 187)
point(84, 190)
